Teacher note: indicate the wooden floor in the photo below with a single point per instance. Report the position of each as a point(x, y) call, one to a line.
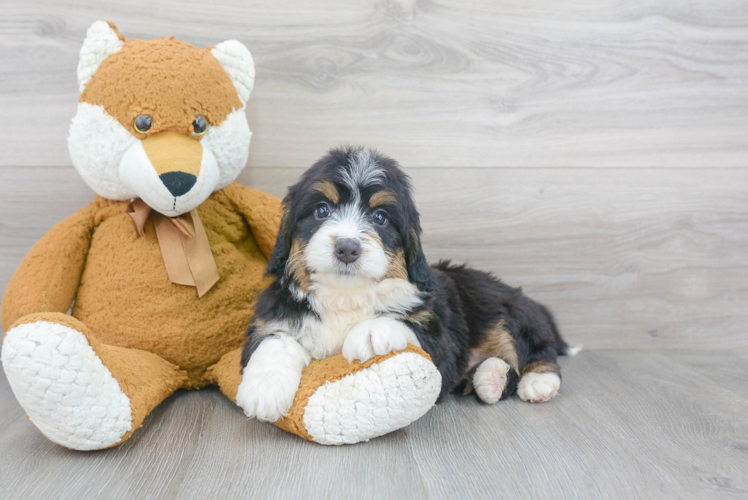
point(626, 424)
point(595, 153)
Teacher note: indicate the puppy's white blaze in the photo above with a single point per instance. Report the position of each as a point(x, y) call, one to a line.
point(271, 378)
point(363, 172)
point(346, 222)
point(538, 387)
point(97, 143)
point(138, 174)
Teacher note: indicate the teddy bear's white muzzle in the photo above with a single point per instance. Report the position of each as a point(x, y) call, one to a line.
point(168, 178)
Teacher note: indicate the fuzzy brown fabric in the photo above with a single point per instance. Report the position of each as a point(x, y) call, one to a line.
point(123, 293)
point(139, 79)
point(227, 374)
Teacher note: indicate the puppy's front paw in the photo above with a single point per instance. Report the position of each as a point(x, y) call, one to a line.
point(266, 398)
point(271, 378)
point(376, 337)
point(538, 387)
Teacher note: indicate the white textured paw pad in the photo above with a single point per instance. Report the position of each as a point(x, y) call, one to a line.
point(64, 387)
point(370, 403)
point(489, 379)
point(538, 387)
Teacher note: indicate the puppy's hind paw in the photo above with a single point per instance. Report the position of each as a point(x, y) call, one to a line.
point(538, 387)
point(489, 379)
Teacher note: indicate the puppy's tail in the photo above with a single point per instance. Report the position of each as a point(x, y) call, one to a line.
point(562, 347)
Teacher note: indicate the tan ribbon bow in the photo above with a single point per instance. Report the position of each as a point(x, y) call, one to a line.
point(184, 246)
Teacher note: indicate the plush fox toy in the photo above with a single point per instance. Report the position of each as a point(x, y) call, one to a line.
point(163, 267)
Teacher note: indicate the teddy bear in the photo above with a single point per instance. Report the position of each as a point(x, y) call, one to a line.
point(149, 289)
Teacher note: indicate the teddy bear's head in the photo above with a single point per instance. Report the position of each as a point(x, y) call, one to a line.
point(160, 119)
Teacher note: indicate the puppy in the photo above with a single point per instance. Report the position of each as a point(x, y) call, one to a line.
point(351, 277)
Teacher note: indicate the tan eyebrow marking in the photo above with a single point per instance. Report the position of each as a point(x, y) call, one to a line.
point(328, 189)
point(384, 197)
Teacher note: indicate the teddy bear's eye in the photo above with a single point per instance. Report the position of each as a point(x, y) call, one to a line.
point(199, 125)
point(143, 123)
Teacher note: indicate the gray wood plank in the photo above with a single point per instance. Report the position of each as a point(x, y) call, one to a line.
point(626, 424)
point(656, 259)
point(440, 83)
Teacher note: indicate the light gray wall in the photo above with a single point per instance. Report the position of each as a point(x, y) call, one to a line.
point(593, 152)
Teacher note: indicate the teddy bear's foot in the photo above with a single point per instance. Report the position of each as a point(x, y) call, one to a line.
point(386, 396)
point(64, 387)
point(80, 393)
point(344, 403)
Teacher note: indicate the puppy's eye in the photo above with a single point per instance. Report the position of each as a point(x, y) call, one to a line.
point(380, 218)
point(143, 123)
point(322, 211)
point(199, 125)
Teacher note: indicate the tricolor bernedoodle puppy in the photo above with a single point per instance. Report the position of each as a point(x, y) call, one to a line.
point(351, 277)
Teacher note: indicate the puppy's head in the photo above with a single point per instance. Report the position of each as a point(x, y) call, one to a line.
point(350, 219)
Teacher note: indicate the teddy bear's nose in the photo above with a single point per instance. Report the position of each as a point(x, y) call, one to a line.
point(178, 183)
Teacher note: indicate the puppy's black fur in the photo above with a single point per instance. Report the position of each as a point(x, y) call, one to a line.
point(465, 315)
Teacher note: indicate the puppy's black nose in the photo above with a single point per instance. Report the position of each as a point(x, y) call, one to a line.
point(347, 250)
point(178, 183)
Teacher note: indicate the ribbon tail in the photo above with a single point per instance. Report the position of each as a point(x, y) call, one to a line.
point(175, 259)
point(139, 212)
point(199, 256)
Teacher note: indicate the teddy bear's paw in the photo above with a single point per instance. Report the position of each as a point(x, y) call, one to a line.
point(538, 387)
point(64, 387)
point(489, 379)
point(383, 398)
point(376, 337)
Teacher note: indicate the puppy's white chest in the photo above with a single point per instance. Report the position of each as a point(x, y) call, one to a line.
point(341, 309)
point(337, 316)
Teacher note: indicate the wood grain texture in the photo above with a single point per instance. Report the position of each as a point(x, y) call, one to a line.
point(656, 259)
point(626, 424)
point(434, 83)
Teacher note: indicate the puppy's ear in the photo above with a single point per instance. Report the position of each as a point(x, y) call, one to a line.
point(419, 271)
point(279, 257)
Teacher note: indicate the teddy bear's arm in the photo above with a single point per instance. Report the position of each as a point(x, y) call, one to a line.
point(48, 277)
point(261, 211)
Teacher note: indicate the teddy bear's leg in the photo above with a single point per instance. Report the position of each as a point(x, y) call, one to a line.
point(80, 393)
point(344, 403)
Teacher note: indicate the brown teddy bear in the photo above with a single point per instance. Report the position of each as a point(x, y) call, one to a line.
point(162, 268)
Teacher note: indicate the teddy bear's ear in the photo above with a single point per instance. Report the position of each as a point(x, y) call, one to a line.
point(238, 63)
point(102, 40)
